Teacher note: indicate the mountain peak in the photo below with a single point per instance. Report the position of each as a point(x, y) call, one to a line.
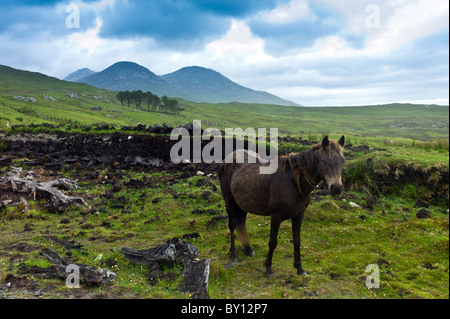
point(129, 76)
point(194, 83)
point(130, 69)
point(81, 73)
point(207, 85)
point(127, 65)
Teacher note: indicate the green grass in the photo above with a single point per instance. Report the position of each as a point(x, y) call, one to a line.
point(413, 123)
point(338, 243)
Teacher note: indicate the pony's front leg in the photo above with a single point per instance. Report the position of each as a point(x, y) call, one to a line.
point(273, 241)
point(296, 226)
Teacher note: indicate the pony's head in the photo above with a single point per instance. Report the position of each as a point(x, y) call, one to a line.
point(331, 162)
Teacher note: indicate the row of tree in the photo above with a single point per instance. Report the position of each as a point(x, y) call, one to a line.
point(149, 102)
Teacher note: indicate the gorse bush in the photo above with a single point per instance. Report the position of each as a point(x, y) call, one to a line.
point(358, 176)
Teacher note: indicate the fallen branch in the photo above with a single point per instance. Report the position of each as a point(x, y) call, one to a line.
point(195, 271)
point(60, 269)
point(13, 182)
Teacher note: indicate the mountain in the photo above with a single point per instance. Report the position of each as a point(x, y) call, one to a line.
point(129, 76)
point(75, 76)
point(193, 83)
point(23, 82)
point(206, 85)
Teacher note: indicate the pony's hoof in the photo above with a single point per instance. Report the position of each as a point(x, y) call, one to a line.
point(249, 252)
point(269, 273)
point(233, 262)
point(303, 274)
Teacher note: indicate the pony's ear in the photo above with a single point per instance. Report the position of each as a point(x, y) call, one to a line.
point(342, 141)
point(325, 141)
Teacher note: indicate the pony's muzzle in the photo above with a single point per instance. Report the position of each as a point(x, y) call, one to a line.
point(336, 189)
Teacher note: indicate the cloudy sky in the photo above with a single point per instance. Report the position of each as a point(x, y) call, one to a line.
point(313, 52)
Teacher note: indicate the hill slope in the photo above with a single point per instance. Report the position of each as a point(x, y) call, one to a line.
point(206, 85)
point(129, 76)
point(84, 104)
point(192, 83)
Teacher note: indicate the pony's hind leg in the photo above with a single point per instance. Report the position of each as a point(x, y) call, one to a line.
point(236, 220)
point(230, 204)
point(240, 218)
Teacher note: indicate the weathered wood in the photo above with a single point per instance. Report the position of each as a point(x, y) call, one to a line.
point(88, 274)
point(196, 277)
point(174, 250)
point(13, 181)
point(195, 271)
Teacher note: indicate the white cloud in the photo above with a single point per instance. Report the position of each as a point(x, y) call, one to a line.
point(330, 72)
point(88, 39)
point(400, 21)
point(409, 22)
point(296, 9)
point(332, 45)
point(238, 44)
point(100, 5)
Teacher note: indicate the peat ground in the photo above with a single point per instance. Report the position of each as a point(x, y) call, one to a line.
point(393, 214)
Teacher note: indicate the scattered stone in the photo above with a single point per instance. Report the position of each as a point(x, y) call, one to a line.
point(423, 213)
point(49, 98)
point(354, 205)
point(25, 99)
point(111, 262)
point(191, 235)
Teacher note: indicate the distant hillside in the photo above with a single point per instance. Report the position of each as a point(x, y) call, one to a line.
point(206, 85)
point(50, 100)
point(129, 76)
point(192, 83)
point(75, 76)
point(15, 82)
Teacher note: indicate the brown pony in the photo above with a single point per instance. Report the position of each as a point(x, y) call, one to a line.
point(282, 195)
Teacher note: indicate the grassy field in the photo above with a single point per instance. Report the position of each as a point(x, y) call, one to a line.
point(412, 122)
point(339, 239)
point(338, 242)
